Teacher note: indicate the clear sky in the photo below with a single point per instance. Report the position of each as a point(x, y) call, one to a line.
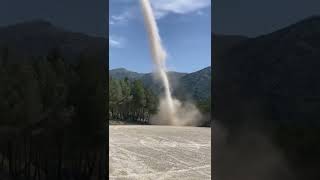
point(185, 29)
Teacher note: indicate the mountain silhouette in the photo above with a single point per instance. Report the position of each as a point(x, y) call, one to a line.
point(274, 75)
point(37, 38)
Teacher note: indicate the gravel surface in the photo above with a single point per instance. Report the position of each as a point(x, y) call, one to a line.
point(159, 152)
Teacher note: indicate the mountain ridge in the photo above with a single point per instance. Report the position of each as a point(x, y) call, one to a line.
point(180, 82)
point(37, 38)
point(274, 75)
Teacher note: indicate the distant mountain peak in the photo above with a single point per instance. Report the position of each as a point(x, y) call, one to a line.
point(120, 73)
point(119, 69)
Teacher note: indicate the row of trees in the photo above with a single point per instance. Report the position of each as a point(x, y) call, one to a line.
point(131, 101)
point(50, 88)
point(52, 108)
point(205, 107)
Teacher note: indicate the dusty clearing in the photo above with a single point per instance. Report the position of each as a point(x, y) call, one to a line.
point(159, 152)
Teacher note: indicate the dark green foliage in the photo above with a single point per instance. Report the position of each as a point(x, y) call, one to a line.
point(196, 85)
point(90, 97)
point(151, 101)
point(48, 87)
point(205, 105)
point(54, 110)
point(205, 108)
point(138, 93)
point(131, 101)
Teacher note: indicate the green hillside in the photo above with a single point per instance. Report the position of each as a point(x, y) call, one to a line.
point(194, 85)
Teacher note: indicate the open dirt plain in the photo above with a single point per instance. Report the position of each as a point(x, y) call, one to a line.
point(159, 152)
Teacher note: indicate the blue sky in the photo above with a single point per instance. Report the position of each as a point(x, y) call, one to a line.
point(185, 29)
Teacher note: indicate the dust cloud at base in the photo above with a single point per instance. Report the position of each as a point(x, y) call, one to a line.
point(186, 114)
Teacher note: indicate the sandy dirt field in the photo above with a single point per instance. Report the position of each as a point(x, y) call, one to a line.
point(159, 152)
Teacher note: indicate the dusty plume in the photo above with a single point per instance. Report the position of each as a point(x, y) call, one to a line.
point(171, 111)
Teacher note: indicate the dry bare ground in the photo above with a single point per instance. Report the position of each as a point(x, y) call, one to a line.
point(159, 152)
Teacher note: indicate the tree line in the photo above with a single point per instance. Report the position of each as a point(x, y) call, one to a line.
point(131, 101)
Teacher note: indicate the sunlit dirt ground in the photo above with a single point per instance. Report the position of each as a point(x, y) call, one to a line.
point(159, 152)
